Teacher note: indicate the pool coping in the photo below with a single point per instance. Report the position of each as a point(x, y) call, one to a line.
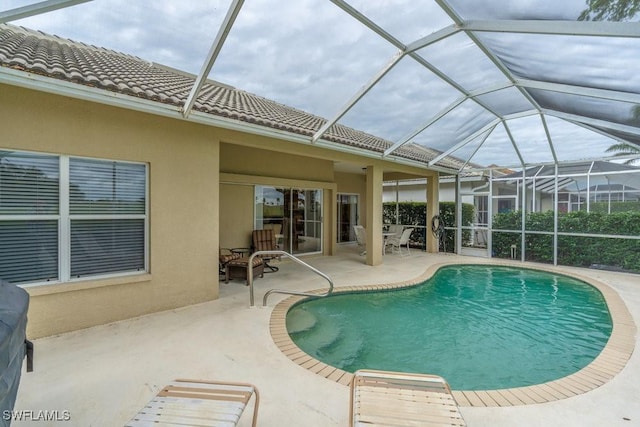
point(611, 360)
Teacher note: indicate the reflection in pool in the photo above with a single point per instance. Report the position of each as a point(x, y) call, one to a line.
point(481, 327)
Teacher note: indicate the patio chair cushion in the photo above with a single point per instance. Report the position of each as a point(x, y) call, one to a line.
point(237, 268)
point(244, 261)
point(225, 258)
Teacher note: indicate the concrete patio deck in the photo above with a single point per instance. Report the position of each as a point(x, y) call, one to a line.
point(103, 375)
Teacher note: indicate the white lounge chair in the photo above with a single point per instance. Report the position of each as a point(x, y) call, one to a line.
point(198, 403)
point(383, 398)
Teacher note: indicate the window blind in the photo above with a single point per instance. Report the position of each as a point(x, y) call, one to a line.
point(106, 187)
point(29, 208)
point(106, 246)
point(29, 184)
point(28, 251)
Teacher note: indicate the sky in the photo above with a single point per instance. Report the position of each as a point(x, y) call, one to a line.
point(312, 55)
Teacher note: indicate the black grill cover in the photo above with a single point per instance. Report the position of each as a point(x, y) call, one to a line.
point(14, 303)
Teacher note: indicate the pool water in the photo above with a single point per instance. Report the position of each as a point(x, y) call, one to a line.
point(480, 327)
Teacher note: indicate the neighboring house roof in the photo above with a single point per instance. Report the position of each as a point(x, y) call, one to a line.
point(573, 176)
point(35, 52)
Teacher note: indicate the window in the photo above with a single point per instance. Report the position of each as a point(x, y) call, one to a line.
point(64, 218)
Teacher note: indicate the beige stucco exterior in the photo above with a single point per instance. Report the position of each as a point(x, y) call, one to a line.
point(183, 205)
point(201, 197)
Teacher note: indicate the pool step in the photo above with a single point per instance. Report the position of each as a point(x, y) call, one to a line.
point(326, 339)
point(336, 345)
point(300, 321)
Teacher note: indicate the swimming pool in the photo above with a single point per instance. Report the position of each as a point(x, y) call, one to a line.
point(482, 327)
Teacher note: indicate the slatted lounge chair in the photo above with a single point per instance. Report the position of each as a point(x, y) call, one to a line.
point(198, 403)
point(383, 398)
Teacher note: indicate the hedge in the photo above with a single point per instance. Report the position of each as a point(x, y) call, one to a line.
point(579, 251)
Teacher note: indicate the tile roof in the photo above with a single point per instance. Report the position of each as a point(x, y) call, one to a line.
point(55, 57)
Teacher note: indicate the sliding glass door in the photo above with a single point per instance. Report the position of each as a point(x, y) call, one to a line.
point(295, 215)
point(347, 217)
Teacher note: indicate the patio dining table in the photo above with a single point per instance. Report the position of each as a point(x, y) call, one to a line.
point(385, 236)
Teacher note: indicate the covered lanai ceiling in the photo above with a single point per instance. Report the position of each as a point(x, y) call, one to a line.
point(496, 83)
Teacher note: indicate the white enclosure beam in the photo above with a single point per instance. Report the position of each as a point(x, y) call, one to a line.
point(36, 9)
point(580, 90)
point(369, 23)
point(358, 96)
point(223, 32)
point(595, 122)
point(513, 143)
point(484, 138)
point(569, 28)
point(549, 139)
point(434, 119)
point(433, 38)
point(465, 141)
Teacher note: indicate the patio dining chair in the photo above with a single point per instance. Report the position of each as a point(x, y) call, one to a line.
point(396, 228)
point(264, 240)
point(397, 243)
point(361, 238)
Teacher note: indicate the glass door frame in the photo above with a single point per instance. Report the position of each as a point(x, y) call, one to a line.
point(294, 210)
point(352, 220)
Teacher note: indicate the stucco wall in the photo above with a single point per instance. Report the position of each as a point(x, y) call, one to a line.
point(236, 215)
point(266, 163)
point(183, 198)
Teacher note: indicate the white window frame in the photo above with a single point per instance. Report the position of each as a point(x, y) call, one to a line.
point(64, 218)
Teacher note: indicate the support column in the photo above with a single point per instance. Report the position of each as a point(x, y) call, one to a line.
point(374, 215)
point(330, 221)
point(433, 209)
point(458, 241)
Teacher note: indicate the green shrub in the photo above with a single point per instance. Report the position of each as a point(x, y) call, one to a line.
point(603, 207)
point(579, 251)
